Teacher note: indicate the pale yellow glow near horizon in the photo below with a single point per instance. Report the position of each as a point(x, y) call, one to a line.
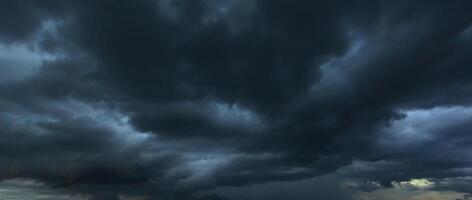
point(419, 183)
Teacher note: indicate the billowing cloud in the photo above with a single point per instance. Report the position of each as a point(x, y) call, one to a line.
point(177, 99)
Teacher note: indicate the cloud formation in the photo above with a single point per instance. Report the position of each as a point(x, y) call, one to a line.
point(171, 99)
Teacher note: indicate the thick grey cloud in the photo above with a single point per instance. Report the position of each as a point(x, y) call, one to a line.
point(322, 187)
point(170, 98)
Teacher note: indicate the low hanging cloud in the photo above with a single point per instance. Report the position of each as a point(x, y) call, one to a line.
point(175, 99)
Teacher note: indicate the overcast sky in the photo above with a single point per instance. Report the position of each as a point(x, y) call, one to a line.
point(235, 99)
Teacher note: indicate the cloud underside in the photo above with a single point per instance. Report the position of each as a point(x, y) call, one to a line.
point(172, 99)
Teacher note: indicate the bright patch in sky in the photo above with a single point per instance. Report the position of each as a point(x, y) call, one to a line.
point(418, 183)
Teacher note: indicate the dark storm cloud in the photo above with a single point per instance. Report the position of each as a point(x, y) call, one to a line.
point(327, 187)
point(21, 19)
point(173, 97)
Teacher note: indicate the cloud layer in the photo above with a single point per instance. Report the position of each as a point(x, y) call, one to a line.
point(171, 99)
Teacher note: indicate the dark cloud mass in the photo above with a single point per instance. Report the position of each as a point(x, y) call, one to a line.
point(175, 99)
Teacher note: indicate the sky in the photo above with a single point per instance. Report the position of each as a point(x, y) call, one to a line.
point(235, 100)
